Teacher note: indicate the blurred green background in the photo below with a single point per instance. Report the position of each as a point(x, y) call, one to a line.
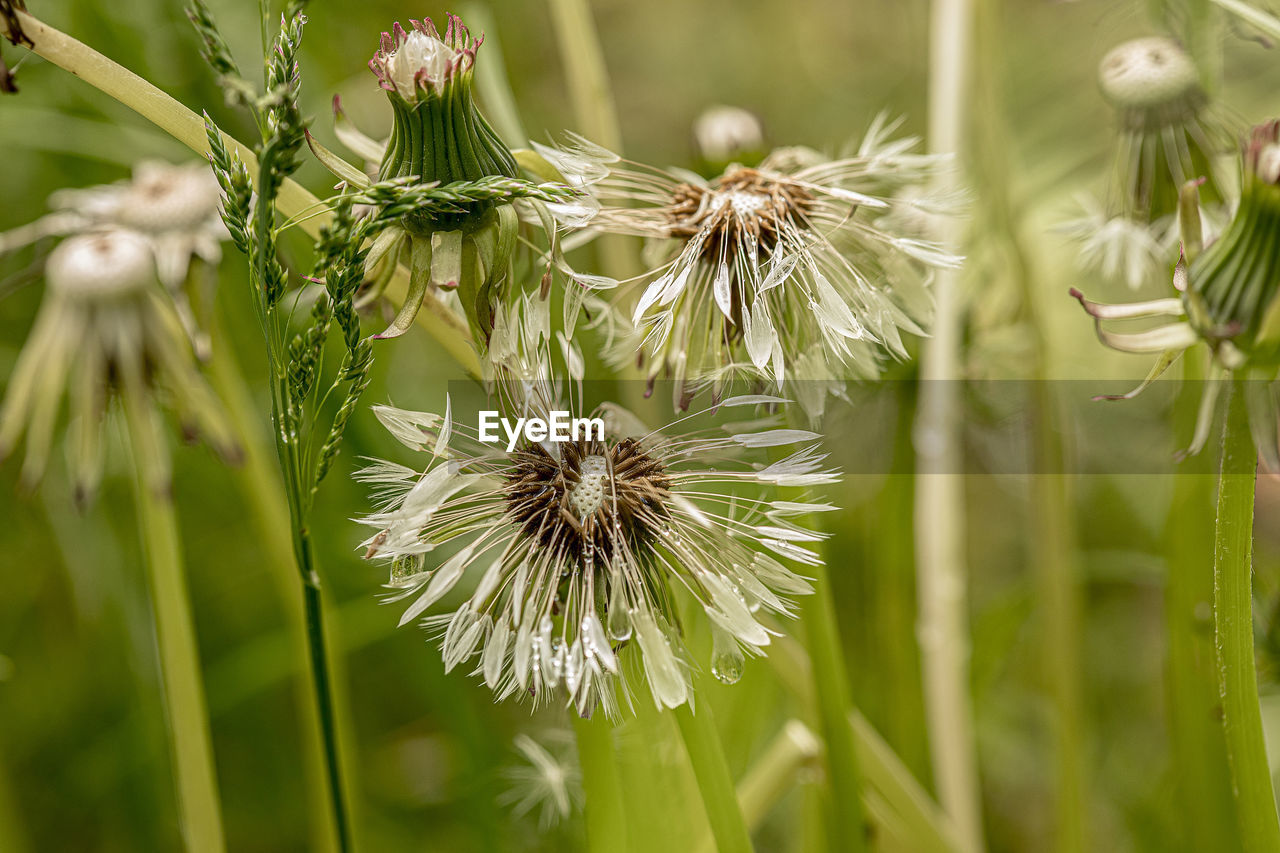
point(83, 754)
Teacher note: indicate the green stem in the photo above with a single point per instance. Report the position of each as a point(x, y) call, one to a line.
point(940, 508)
point(1233, 632)
point(268, 511)
point(586, 73)
point(180, 669)
point(846, 828)
point(182, 124)
point(1250, 14)
point(323, 690)
point(1202, 773)
point(715, 783)
point(594, 109)
point(605, 810)
point(773, 775)
point(13, 836)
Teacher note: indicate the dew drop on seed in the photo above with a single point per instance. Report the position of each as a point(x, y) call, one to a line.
point(727, 664)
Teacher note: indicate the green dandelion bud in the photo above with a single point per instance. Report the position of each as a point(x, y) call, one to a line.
point(438, 134)
point(1231, 297)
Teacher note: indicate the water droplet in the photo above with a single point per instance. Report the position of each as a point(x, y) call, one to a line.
point(619, 617)
point(727, 661)
point(727, 665)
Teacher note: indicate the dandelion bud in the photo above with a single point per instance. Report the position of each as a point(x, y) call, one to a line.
point(439, 136)
point(1233, 285)
point(438, 133)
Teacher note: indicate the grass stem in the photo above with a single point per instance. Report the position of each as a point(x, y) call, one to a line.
point(846, 826)
point(268, 512)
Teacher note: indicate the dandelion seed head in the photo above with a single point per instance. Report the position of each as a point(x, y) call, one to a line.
point(99, 266)
point(776, 272)
point(1154, 75)
point(578, 549)
point(744, 206)
point(590, 495)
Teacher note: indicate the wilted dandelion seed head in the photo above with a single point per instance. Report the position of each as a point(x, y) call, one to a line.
point(590, 495)
point(1151, 80)
point(99, 266)
point(745, 206)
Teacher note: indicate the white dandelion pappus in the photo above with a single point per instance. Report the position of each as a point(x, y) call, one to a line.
point(580, 546)
point(764, 266)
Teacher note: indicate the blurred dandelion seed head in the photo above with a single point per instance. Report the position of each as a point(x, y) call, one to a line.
point(105, 329)
point(1152, 80)
point(101, 266)
point(175, 207)
point(727, 134)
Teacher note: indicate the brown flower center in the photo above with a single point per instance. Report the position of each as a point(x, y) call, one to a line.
point(744, 206)
point(592, 495)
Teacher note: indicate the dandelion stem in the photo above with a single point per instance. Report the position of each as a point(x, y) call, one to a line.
point(1251, 14)
point(180, 669)
point(586, 72)
point(846, 828)
point(605, 810)
point(939, 510)
point(182, 124)
point(1051, 515)
point(774, 774)
point(715, 783)
point(896, 804)
point(1195, 727)
point(1233, 631)
point(594, 110)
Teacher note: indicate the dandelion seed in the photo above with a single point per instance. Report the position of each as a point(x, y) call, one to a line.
point(546, 781)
